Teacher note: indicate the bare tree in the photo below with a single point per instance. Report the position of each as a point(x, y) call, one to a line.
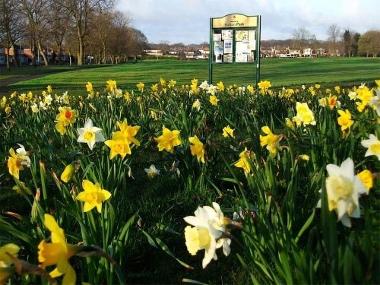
point(11, 28)
point(334, 34)
point(35, 11)
point(80, 11)
point(302, 38)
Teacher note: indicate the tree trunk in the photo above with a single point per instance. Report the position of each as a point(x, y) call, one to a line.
point(42, 53)
point(80, 51)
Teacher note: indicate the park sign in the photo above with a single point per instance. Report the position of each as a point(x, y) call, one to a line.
point(235, 38)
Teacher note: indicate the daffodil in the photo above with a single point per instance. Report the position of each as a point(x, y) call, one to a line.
point(264, 86)
point(228, 132)
point(118, 146)
point(270, 140)
point(343, 191)
point(372, 145)
point(128, 132)
point(366, 177)
point(111, 86)
point(365, 95)
point(243, 161)
point(168, 140)
point(220, 86)
point(140, 86)
point(152, 171)
point(197, 149)
point(65, 117)
point(376, 101)
point(90, 134)
point(68, 173)
point(17, 160)
point(7, 251)
point(89, 87)
point(57, 252)
point(92, 196)
point(196, 105)
point(172, 83)
point(304, 115)
point(344, 120)
point(208, 225)
point(213, 100)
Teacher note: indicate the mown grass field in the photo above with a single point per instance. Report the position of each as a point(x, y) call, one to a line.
point(281, 72)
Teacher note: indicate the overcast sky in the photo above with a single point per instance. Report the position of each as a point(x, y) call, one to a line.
point(187, 21)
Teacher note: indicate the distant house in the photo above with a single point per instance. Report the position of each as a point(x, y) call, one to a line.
point(24, 56)
point(154, 52)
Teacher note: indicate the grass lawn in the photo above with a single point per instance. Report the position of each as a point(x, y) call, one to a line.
point(281, 72)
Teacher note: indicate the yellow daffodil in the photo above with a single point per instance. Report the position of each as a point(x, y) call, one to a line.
point(68, 173)
point(65, 117)
point(270, 140)
point(365, 95)
point(337, 89)
point(118, 146)
point(304, 115)
point(197, 149)
point(332, 102)
point(49, 89)
point(264, 86)
point(168, 140)
point(57, 252)
point(366, 177)
point(243, 161)
point(372, 145)
point(154, 88)
point(250, 89)
point(89, 87)
point(17, 160)
point(304, 157)
point(344, 120)
point(92, 196)
point(90, 134)
point(7, 251)
point(206, 232)
point(220, 86)
point(228, 132)
point(343, 191)
point(111, 86)
point(129, 132)
point(140, 86)
point(194, 86)
point(172, 83)
point(214, 100)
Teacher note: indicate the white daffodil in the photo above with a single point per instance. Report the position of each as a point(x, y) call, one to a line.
point(207, 233)
point(34, 108)
point(212, 89)
point(197, 105)
point(204, 85)
point(373, 145)
point(343, 191)
point(23, 156)
point(152, 171)
point(90, 134)
point(376, 101)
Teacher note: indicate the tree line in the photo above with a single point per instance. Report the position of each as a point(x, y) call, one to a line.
point(343, 42)
point(74, 30)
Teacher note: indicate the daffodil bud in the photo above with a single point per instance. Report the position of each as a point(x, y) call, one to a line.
point(67, 173)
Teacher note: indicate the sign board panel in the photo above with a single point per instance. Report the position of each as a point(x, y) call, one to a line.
point(235, 21)
point(235, 38)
